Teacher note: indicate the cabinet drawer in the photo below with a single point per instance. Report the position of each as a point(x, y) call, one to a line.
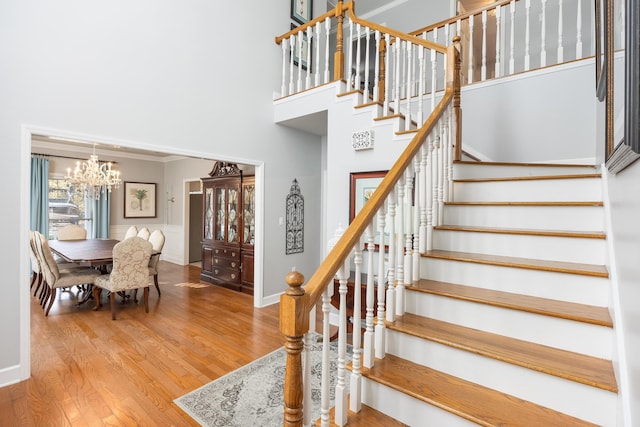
point(225, 262)
point(226, 274)
point(226, 253)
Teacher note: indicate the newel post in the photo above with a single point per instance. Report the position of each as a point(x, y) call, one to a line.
point(383, 71)
point(338, 57)
point(294, 323)
point(457, 111)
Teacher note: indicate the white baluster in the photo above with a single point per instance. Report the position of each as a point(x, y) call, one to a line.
point(470, 73)
point(326, 340)
point(299, 55)
point(387, 79)
point(429, 190)
point(450, 118)
point(391, 295)
point(526, 36)
point(543, 35)
point(355, 382)
point(358, 53)
point(307, 83)
point(399, 294)
point(483, 69)
point(512, 37)
point(291, 56)
point(340, 416)
point(408, 230)
point(351, 77)
point(560, 35)
point(327, 30)
point(366, 66)
point(579, 32)
point(397, 76)
point(441, 172)
point(318, 33)
point(433, 80)
point(307, 402)
point(380, 327)
point(498, 42)
point(417, 189)
point(436, 173)
point(444, 120)
point(407, 122)
point(283, 87)
point(422, 197)
point(368, 333)
point(376, 89)
point(421, 84)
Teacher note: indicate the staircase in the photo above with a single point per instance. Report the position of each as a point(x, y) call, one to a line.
point(509, 323)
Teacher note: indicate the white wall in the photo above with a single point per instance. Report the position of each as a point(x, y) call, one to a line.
point(160, 75)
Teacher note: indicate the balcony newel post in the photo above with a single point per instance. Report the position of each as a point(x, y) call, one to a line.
point(338, 57)
point(382, 52)
point(294, 323)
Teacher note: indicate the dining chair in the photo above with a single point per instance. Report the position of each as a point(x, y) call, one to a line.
point(130, 271)
point(36, 271)
point(72, 232)
point(131, 232)
point(54, 277)
point(157, 241)
point(144, 233)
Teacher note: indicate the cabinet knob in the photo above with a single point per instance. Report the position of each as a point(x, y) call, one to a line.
point(233, 276)
point(233, 264)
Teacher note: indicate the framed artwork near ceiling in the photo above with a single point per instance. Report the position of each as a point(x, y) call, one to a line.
point(301, 10)
point(139, 199)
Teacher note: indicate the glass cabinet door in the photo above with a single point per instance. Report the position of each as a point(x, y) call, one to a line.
point(249, 204)
point(221, 214)
point(232, 231)
point(208, 213)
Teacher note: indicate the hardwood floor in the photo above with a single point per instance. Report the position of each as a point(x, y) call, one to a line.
point(88, 370)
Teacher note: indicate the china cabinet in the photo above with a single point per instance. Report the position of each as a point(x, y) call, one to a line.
point(228, 228)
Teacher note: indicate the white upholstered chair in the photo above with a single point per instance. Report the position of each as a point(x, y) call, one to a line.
point(144, 233)
point(157, 241)
point(131, 232)
point(36, 271)
point(56, 278)
point(130, 271)
point(72, 232)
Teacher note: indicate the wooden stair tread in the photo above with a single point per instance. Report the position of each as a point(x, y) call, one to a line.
point(473, 402)
point(520, 231)
point(565, 364)
point(527, 263)
point(562, 165)
point(548, 307)
point(367, 417)
point(504, 203)
point(530, 178)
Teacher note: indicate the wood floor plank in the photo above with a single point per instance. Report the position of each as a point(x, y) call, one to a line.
point(545, 306)
point(478, 404)
point(89, 370)
point(527, 263)
point(577, 367)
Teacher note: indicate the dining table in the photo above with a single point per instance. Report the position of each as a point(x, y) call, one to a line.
point(97, 253)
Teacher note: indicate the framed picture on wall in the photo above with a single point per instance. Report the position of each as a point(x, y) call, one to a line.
point(301, 10)
point(139, 200)
point(362, 186)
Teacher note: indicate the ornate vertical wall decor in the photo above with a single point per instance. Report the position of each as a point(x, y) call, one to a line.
point(295, 220)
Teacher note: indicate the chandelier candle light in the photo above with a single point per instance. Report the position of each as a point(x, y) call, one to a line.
point(94, 177)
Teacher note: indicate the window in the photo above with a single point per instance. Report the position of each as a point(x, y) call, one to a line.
point(66, 206)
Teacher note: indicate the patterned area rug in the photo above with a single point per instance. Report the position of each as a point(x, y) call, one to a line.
point(253, 394)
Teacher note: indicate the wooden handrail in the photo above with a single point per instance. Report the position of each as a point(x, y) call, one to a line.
point(461, 17)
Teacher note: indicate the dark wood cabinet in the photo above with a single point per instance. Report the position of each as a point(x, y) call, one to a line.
point(228, 228)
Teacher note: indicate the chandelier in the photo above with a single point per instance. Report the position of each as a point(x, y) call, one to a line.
point(93, 177)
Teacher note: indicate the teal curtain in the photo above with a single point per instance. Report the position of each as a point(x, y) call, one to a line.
point(40, 194)
point(101, 216)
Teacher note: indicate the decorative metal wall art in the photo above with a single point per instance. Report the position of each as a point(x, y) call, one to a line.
point(295, 220)
point(362, 140)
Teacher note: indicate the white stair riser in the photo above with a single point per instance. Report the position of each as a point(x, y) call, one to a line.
point(579, 218)
point(568, 249)
point(473, 171)
point(564, 334)
point(583, 189)
point(409, 410)
point(561, 286)
point(579, 400)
